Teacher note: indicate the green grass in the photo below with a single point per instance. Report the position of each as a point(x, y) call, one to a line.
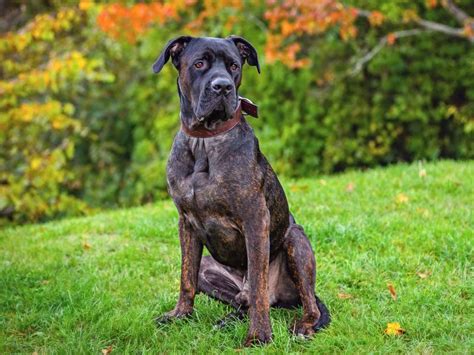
point(59, 296)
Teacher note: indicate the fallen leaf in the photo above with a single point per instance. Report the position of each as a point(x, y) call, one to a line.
point(344, 296)
point(394, 329)
point(422, 173)
point(392, 291)
point(401, 198)
point(323, 182)
point(107, 350)
point(423, 275)
point(350, 187)
point(86, 246)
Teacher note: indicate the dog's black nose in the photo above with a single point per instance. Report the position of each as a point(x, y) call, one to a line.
point(221, 86)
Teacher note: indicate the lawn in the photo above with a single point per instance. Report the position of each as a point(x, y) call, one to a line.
point(85, 284)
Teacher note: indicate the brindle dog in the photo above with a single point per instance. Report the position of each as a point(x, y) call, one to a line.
point(230, 200)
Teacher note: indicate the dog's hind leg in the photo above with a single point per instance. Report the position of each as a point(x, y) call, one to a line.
point(222, 283)
point(302, 271)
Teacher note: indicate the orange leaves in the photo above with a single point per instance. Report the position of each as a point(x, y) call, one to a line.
point(394, 329)
point(391, 38)
point(211, 9)
point(292, 18)
point(468, 29)
point(128, 22)
point(376, 18)
point(348, 32)
point(276, 51)
point(392, 291)
point(431, 3)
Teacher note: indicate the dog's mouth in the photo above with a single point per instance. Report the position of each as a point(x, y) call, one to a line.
point(217, 114)
point(220, 110)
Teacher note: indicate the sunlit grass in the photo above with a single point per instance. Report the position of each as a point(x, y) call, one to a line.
point(81, 285)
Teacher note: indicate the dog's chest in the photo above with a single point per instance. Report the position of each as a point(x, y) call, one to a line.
point(206, 191)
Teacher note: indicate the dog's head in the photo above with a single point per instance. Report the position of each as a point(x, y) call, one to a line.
point(210, 72)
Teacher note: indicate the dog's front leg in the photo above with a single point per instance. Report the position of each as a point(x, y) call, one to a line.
point(257, 239)
point(191, 252)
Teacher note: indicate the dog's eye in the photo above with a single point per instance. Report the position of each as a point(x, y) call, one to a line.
point(199, 65)
point(234, 67)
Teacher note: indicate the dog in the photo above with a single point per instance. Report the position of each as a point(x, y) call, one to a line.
point(229, 198)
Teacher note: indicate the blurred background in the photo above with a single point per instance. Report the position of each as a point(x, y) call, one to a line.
point(85, 125)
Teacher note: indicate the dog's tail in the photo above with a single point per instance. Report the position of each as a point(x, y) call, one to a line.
point(325, 317)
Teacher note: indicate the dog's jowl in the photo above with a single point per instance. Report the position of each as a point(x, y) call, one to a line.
point(230, 200)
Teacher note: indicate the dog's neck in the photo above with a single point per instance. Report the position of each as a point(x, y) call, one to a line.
point(216, 127)
point(190, 120)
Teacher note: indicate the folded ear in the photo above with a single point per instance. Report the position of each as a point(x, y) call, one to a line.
point(246, 50)
point(173, 49)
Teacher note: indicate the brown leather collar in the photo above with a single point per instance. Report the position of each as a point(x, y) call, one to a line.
point(244, 105)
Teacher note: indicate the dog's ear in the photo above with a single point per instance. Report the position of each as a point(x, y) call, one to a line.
point(246, 50)
point(173, 49)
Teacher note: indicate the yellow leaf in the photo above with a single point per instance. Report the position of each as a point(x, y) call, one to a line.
point(410, 15)
point(423, 275)
point(451, 111)
point(107, 350)
point(401, 198)
point(85, 5)
point(57, 124)
point(86, 246)
point(394, 329)
point(35, 163)
point(350, 187)
point(323, 182)
point(344, 296)
point(422, 173)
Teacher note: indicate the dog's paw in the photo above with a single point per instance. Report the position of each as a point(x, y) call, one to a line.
point(242, 298)
point(172, 315)
point(302, 329)
point(257, 339)
point(258, 336)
